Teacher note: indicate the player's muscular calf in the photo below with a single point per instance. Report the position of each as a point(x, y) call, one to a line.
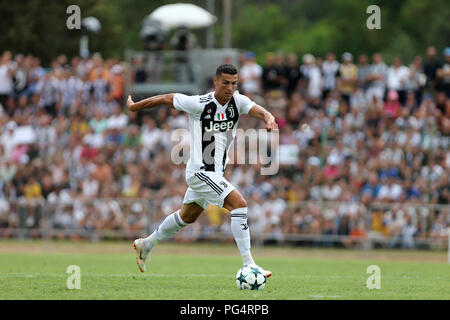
point(234, 200)
point(190, 212)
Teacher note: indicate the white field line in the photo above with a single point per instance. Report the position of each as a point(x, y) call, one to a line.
point(193, 275)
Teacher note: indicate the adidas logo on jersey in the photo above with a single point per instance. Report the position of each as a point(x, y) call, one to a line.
point(206, 99)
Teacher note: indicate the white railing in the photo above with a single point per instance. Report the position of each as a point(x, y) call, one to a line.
point(128, 218)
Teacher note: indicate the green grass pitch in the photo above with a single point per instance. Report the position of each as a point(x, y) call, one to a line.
point(37, 270)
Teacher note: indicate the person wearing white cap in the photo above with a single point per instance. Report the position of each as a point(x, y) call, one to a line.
point(314, 76)
point(348, 75)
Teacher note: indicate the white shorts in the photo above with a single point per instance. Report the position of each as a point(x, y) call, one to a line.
point(206, 187)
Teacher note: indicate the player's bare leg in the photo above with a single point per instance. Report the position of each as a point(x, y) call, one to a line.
point(188, 213)
point(237, 205)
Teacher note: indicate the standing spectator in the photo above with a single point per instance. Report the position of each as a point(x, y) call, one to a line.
point(47, 93)
point(250, 76)
point(363, 70)
point(376, 78)
point(35, 74)
point(117, 83)
point(20, 79)
point(348, 75)
point(271, 78)
point(281, 69)
point(274, 81)
point(70, 88)
point(6, 84)
point(330, 71)
point(314, 78)
point(272, 75)
point(416, 80)
point(430, 68)
point(98, 77)
point(293, 74)
point(397, 77)
point(444, 74)
point(139, 71)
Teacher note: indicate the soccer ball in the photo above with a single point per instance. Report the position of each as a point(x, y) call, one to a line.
point(250, 278)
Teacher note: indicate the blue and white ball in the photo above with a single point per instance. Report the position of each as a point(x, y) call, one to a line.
point(250, 278)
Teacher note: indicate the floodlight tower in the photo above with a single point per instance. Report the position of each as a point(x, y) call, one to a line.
point(89, 25)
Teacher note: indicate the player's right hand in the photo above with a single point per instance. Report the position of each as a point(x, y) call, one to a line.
point(271, 125)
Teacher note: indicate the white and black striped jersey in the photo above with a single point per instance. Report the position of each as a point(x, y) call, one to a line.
point(212, 128)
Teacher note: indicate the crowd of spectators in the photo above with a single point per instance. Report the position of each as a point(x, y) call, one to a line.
point(372, 139)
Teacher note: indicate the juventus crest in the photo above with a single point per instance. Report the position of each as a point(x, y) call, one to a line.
point(230, 112)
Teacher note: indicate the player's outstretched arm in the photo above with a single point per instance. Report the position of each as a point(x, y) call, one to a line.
point(259, 112)
point(163, 99)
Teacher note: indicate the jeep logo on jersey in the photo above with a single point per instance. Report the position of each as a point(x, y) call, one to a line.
point(219, 126)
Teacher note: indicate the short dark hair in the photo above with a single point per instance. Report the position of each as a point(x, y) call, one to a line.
point(225, 68)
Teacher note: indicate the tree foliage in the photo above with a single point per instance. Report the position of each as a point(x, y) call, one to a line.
point(407, 26)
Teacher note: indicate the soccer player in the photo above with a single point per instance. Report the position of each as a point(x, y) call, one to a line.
point(213, 119)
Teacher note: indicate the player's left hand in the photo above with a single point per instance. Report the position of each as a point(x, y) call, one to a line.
point(130, 102)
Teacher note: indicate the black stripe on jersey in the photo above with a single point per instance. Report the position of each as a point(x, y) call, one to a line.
point(206, 118)
point(232, 114)
point(208, 182)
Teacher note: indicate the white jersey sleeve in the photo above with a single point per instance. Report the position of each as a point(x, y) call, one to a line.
point(243, 103)
point(189, 104)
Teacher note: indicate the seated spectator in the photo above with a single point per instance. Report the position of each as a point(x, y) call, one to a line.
point(392, 106)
